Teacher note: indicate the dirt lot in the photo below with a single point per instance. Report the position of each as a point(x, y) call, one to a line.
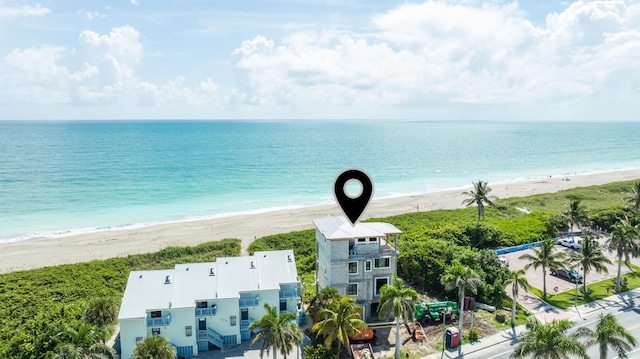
point(535, 278)
point(433, 337)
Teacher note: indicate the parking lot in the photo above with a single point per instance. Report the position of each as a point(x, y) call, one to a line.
point(535, 278)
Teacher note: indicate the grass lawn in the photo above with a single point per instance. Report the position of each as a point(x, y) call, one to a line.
point(600, 290)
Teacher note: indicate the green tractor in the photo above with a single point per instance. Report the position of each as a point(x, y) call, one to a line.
point(430, 312)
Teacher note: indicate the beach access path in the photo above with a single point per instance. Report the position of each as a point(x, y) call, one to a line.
point(37, 253)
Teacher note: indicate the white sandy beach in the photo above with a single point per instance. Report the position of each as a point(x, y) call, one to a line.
point(101, 245)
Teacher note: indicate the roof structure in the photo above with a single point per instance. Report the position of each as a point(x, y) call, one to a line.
point(147, 290)
point(334, 228)
point(227, 278)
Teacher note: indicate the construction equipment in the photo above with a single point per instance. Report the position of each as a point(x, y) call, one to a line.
point(430, 312)
point(366, 335)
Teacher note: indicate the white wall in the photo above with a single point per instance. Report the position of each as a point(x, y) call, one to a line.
point(130, 329)
point(176, 331)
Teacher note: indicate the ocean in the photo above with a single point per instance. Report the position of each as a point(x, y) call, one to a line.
point(64, 178)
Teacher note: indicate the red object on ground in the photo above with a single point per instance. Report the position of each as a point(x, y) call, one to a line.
point(452, 337)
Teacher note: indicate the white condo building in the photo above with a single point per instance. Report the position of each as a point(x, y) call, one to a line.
point(206, 305)
point(357, 260)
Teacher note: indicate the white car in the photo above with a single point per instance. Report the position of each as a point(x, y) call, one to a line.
point(571, 242)
point(504, 261)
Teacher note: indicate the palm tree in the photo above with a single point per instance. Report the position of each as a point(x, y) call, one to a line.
point(101, 312)
point(464, 279)
point(479, 196)
point(609, 333)
point(623, 241)
point(518, 279)
point(575, 213)
point(324, 297)
point(154, 347)
point(277, 332)
point(544, 257)
point(633, 197)
point(590, 257)
point(398, 302)
point(83, 343)
point(338, 321)
point(549, 341)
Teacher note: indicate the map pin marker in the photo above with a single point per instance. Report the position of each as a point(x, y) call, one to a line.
point(353, 207)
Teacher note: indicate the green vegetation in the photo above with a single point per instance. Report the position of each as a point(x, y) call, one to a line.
point(278, 333)
point(609, 333)
point(154, 346)
point(549, 340)
point(35, 305)
point(598, 290)
point(339, 320)
point(397, 301)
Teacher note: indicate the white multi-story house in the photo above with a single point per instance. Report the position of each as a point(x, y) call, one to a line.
point(357, 260)
point(205, 305)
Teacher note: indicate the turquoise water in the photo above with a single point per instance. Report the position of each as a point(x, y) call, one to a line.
point(62, 178)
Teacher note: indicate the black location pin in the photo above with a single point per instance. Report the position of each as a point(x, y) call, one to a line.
point(353, 207)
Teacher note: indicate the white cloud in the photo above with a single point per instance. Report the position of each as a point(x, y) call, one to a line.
point(22, 11)
point(443, 56)
point(135, 2)
point(106, 75)
point(90, 15)
point(441, 53)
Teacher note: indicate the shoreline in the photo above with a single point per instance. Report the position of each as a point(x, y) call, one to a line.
point(36, 253)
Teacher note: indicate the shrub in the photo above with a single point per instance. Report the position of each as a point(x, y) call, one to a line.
point(318, 351)
point(474, 334)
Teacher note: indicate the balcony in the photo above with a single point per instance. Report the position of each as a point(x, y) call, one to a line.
point(249, 302)
point(206, 312)
point(159, 322)
point(288, 293)
point(383, 250)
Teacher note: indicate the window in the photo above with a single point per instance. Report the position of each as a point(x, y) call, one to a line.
point(201, 304)
point(379, 283)
point(353, 267)
point(155, 331)
point(382, 262)
point(362, 240)
point(156, 314)
point(367, 266)
point(283, 305)
point(188, 331)
point(373, 239)
point(232, 320)
point(352, 289)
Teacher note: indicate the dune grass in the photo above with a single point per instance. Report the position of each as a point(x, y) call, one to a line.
point(592, 197)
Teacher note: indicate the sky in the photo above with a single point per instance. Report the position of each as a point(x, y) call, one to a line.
point(320, 59)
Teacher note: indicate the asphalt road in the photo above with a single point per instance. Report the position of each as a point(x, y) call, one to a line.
point(629, 318)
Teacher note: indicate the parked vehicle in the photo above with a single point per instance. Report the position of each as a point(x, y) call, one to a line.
point(504, 261)
point(428, 312)
point(567, 273)
point(571, 242)
point(362, 351)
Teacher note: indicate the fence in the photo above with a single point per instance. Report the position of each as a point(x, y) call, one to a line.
point(520, 247)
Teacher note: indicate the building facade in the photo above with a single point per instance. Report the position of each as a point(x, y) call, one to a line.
point(205, 306)
point(356, 259)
